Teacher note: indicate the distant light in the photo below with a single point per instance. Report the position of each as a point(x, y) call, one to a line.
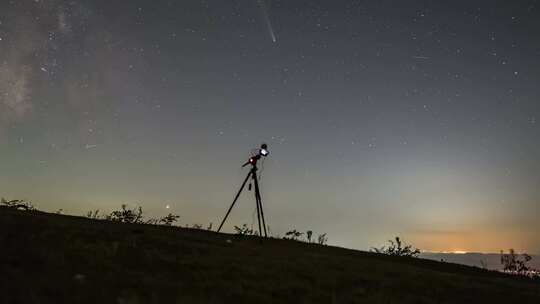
point(167, 207)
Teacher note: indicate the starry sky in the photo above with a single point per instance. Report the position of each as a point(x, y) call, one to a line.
point(383, 118)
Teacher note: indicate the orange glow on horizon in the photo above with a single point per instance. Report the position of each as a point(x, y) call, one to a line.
point(471, 242)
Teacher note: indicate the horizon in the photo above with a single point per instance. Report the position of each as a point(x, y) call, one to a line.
point(189, 225)
point(193, 226)
point(382, 119)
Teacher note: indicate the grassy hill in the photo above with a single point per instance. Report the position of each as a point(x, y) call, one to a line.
point(50, 258)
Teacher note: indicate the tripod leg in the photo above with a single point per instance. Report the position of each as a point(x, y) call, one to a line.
point(234, 201)
point(259, 202)
point(262, 217)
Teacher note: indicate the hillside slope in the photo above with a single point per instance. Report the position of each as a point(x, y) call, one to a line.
point(49, 258)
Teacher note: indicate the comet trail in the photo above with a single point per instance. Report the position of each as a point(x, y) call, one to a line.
point(266, 20)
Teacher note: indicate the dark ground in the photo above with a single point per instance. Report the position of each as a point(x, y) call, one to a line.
point(50, 258)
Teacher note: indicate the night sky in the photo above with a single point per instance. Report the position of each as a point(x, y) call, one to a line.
point(383, 118)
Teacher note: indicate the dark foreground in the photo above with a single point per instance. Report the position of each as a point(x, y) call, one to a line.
point(49, 258)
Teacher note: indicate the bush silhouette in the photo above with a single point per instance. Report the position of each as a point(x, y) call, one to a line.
point(322, 239)
point(293, 235)
point(94, 214)
point(244, 230)
point(126, 215)
point(309, 234)
point(397, 247)
point(169, 219)
point(513, 263)
point(17, 204)
point(296, 235)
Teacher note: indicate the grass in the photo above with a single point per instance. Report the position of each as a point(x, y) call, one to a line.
point(52, 258)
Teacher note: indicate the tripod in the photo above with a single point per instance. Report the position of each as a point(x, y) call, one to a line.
point(260, 213)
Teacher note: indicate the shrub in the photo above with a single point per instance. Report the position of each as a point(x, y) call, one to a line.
point(293, 235)
point(94, 214)
point(152, 221)
point(244, 230)
point(513, 263)
point(169, 219)
point(322, 239)
point(398, 248)
point(17, 204)
point(126, 215)
point(309, 233)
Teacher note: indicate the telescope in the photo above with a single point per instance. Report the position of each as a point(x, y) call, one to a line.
point(261, 152)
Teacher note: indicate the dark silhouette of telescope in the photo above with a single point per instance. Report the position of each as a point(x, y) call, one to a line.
point(262, 152)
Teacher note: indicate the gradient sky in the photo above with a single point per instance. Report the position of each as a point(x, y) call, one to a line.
point(383, 118)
